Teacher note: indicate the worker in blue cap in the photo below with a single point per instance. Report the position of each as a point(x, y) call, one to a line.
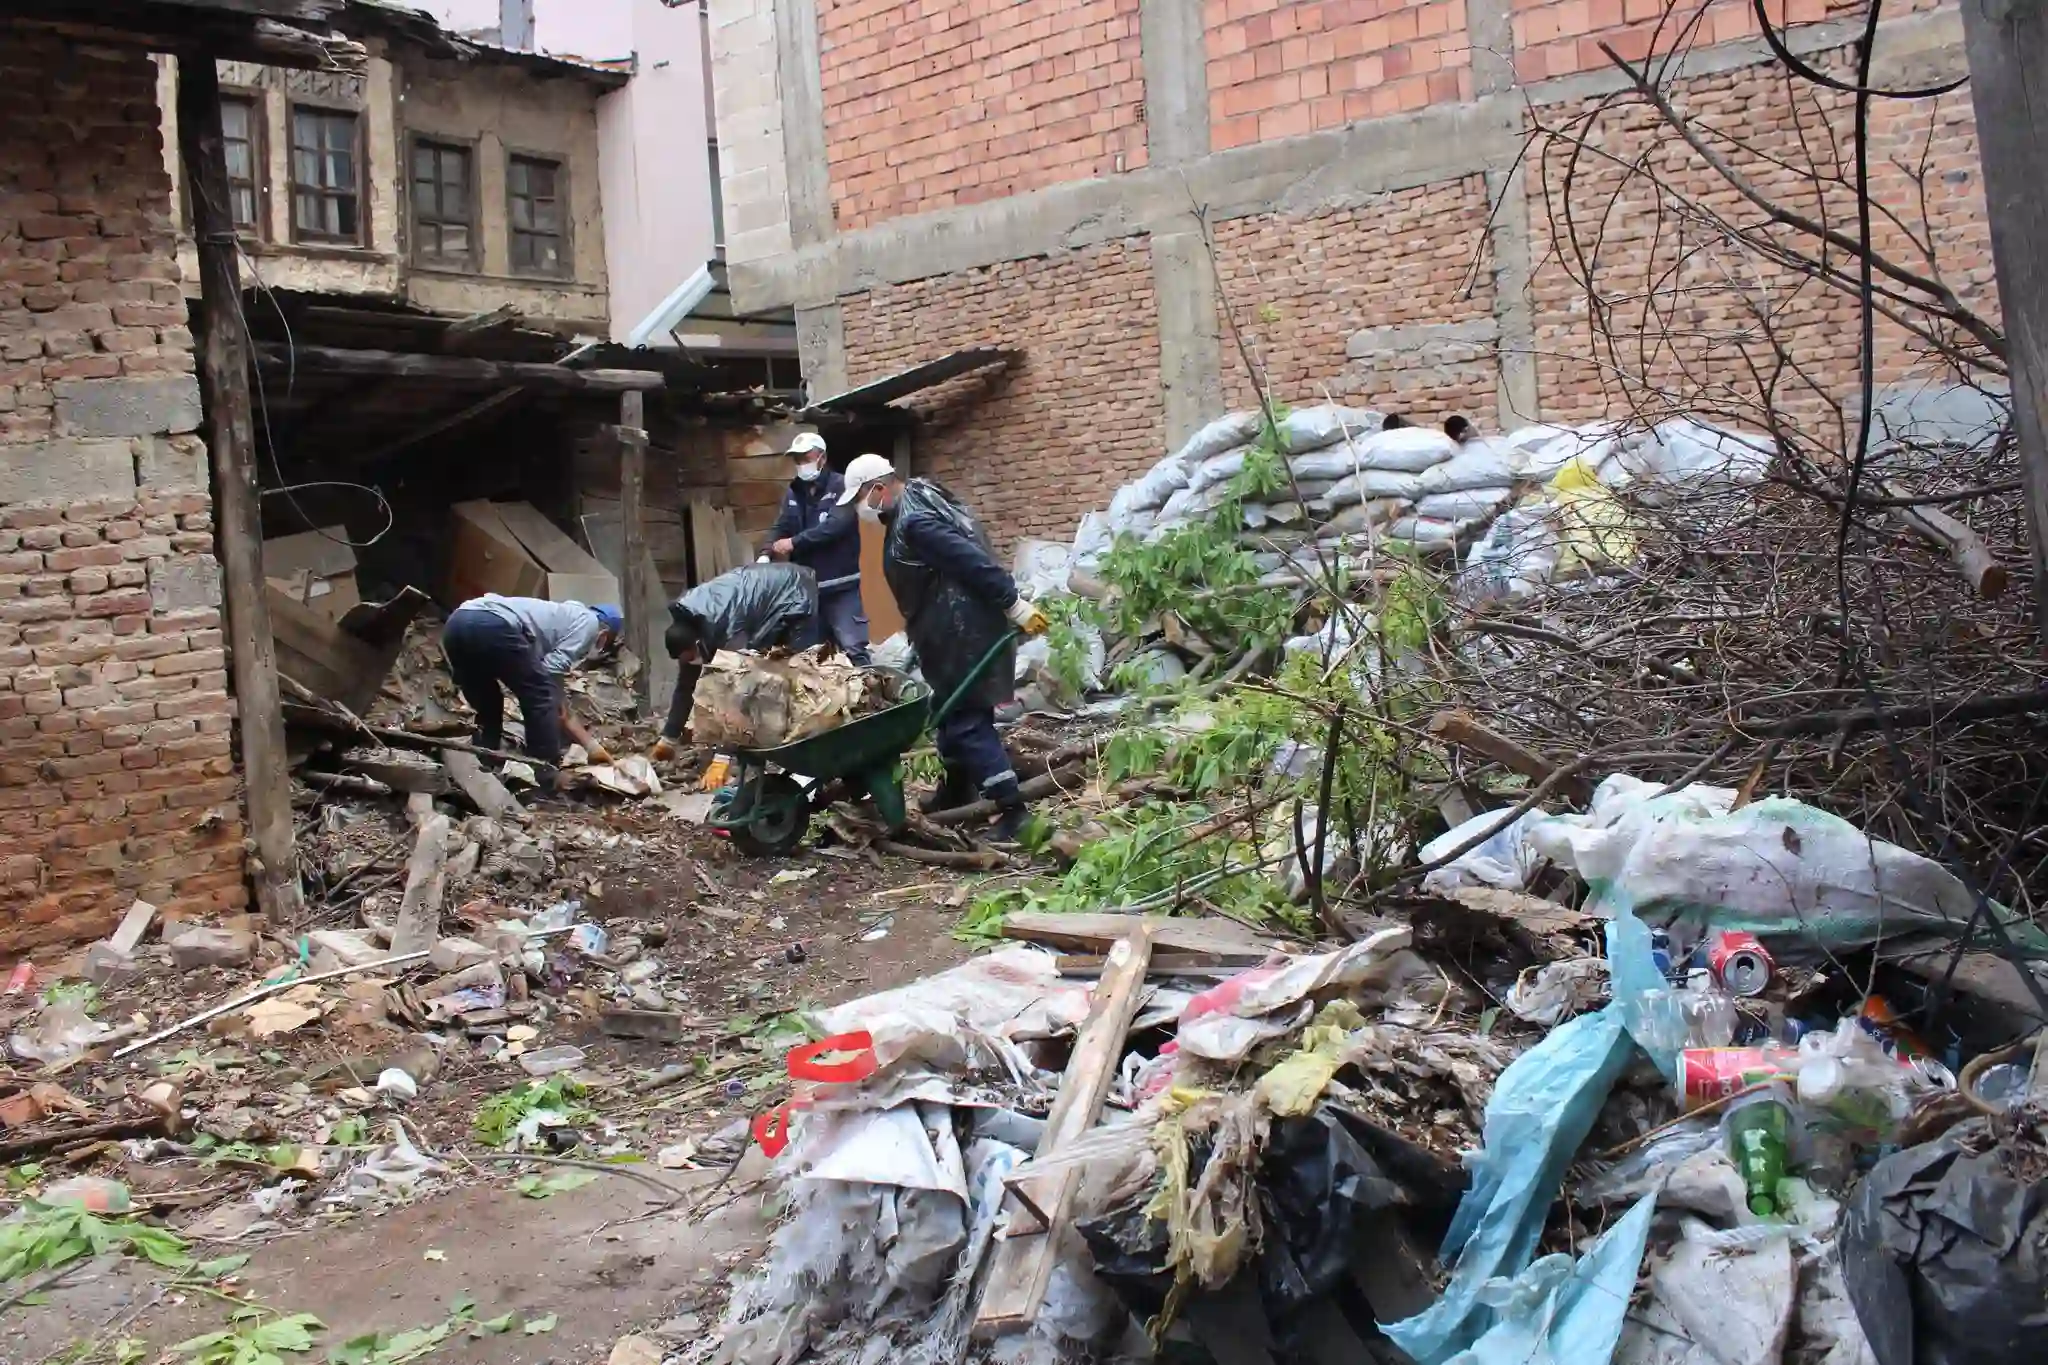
point(528, 646)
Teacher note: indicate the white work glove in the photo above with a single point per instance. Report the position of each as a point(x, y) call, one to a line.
point(762, 560)
point(1025, 616)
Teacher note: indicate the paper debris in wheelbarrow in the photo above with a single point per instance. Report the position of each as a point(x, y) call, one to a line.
point(754, 701)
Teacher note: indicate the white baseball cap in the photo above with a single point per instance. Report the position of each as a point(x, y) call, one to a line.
point(806, 443)
point(864, 470)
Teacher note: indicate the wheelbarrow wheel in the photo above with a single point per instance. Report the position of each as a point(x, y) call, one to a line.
point(780, 813)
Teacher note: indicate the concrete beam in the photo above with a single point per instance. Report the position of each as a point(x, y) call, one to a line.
point(803, 121)
point(1190, 341)
point(1491, 31)
point(1514, 309)
point(821, 349)
point(1176, 81)
point(1414, 336)
point(1332, 169)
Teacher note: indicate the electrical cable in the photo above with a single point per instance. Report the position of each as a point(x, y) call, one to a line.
point(1862, 87)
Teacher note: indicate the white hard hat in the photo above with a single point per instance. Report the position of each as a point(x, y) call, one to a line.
point(806, 443)
point(864, 470)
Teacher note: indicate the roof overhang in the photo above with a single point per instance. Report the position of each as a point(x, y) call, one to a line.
point(881, 393)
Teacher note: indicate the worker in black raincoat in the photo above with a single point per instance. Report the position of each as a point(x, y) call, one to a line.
point(756, 606)
point(958, 603)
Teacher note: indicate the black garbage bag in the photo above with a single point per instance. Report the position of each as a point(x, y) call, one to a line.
point(1945, 1252)
point(1341, 1201)
point(756, 606)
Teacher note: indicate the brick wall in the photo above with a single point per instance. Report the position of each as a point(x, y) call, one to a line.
point(1712, 312)
point(937, 102)
point(116, 778)
point(1282, 67)
point(1366, 302)
point(1056, 434)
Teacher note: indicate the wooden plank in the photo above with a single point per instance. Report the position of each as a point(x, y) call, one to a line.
point(546, 542)
point(485, 556)
point(636, 563)
point(1093, 932)
point(591, 589)
point(418, 925)
point(231, 444)
point(1022, 1266)
point(401, 776)
point(134, 925)
point(449, 369)
point(491, 796)
point(319, 656)
point(2007, 45)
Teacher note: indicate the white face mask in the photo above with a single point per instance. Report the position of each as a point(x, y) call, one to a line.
point(811, 473)
point(868, 511)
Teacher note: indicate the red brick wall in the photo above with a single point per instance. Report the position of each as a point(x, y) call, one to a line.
point(114, 713)
point(1562, 37)
point(1063, 428)
point(936, 102)
point(1282, 67)
point(1714, 311)
point(1301, 285)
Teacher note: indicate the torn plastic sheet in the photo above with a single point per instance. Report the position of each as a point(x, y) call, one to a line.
point(1225, 1022)
point(1505, 861)
point(1716, 1305)
point(911, 1146)
point(1558, 1312)
point(1542, 1108)
point(1804, 881)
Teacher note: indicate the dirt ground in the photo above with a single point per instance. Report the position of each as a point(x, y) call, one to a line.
point(740, 946)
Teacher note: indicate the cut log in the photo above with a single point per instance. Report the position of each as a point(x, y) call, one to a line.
point(489, 795)
point(1464, 730)
point(426, 880)
point(401, 776)
point(1973, 558)
point(1022, 1266)
point(1047, 785)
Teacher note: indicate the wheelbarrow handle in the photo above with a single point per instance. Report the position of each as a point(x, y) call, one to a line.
point(974, 676)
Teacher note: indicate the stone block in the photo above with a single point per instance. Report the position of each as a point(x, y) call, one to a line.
point(185, 583)
point(159, 405)
point(66, 471)
point(164, 463)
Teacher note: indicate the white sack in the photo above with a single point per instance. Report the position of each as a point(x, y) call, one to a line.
point(1315, 428)
point(1412, 449)
point(1478, 464)
point(1374, 483)
point(1505, 861)
point(1232, 429)
point(1465, 506)
point(1425, 532)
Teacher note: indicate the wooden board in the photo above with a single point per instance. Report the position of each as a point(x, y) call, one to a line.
point(319, 656)
point(484, 556)
point(591, 589)
point(1096, 932)
point(1021, 1266)
point(547, 543)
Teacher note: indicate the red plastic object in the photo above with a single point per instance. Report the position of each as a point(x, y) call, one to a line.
point(804, 1067)
point(771, 1129)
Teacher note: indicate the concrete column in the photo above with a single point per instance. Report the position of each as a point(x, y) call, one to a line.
point(803, 121)
point(1513, 309)
point(1176, 81)
point(1490, 24)
point(1190, 344)
point(821, 349)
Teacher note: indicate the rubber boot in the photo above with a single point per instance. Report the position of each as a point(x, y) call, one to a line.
point(1011, 812)
point(955, 789)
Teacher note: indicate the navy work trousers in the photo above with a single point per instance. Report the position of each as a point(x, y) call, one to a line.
point(486, 651)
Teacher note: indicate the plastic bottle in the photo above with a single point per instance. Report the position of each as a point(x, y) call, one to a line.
point(1758, 1133)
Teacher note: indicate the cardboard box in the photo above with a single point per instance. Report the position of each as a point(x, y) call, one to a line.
point(316, 569)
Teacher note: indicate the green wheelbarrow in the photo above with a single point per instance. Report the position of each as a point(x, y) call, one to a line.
point(770, 809)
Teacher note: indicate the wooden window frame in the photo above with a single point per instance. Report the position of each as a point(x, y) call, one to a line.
point(471, 262)
point(318, 238)
point(259, 160)
point(567, 270)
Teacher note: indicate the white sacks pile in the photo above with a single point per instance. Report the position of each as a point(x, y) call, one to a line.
point(1413, 484)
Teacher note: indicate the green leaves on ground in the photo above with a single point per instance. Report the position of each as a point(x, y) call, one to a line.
point(499, 1117)
point(45, 1236)
point(545, 1187)
point(399, 1348)
point(253, 1336)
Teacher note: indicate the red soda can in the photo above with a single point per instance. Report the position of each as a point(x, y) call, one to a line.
point(1739, 962)
point(24, 975)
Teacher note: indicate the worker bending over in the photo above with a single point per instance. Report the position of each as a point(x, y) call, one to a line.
point(814, 530)
point(756, 606)
point(528, 646)
point(957, 603)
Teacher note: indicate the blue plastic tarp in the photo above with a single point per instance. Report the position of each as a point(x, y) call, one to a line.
point(1558, 1312)
point(1542, 1109)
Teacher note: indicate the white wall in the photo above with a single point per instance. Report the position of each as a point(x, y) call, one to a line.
point(653, 135)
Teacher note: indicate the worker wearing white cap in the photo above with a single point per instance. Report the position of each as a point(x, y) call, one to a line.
point(957, 602)
point(815, 530)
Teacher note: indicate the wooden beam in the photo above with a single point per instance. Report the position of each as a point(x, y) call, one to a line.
point(1023, 1265)
point(231, 443)
point(453, 369)
point(633, 590)
point(2007, 44)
